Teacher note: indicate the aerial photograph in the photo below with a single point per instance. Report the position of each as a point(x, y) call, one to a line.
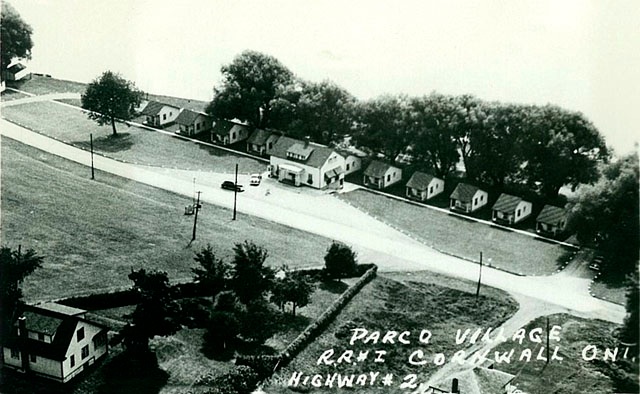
point(322, 196)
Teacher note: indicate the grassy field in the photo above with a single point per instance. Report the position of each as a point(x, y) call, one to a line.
point(465, 238)
point(40, 85)
point(92, 233)
point(131, 144)
point(400, 302)
point(613, 290)
point(9, 95)
point(574, 374)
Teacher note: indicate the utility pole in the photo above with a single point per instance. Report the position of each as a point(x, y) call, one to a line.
point(195, 218)
point(547, 339)
point(235, 194)
point(479, 278)
point(91, 139)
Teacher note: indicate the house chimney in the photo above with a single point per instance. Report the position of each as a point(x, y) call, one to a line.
point(23, 337)
point(454, 386)
point(306, 141)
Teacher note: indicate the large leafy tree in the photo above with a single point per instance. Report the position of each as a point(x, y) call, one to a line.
point(322, 111)
point(340, 260)
point(15, 37)
point(468, 120)
point(629, 332)
point(156, 314)
point(382, 125)
point(292, 288)
point(431, 120)
point(249, 84)
point(559, 147)
point(251, 279)
point(109, 98)
point(15, 266)
point(212, 273)
point(606, 215)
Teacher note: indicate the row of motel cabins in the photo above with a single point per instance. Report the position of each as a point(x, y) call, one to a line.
point(306, 163)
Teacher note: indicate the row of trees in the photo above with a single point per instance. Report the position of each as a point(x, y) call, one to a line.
point(543, 147)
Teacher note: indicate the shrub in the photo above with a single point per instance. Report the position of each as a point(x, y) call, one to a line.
point(340, 261)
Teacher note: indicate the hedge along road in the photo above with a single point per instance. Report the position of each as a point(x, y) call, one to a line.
point(325, 215)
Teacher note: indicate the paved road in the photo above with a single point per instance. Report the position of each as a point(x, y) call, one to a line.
point(326, 215)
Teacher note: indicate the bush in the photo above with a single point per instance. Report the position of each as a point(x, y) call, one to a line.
point(241, 380)
point(340, 261)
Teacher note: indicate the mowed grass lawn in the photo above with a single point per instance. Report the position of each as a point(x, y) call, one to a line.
point(92, 233)
point(574, 374)
point(464, 238)
point(132, 144)
point(431, 302)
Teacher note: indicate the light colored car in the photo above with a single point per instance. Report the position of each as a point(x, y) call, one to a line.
point(255, 179)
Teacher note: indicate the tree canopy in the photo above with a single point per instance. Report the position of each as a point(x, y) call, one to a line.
point(249, 84)
point(109, 98)
point(15, 266)
point(15, 36)
point(340, 261)
point(156, 313)
point(606, 215)
point(213, 273)
point(293, 288)
point(251, 279)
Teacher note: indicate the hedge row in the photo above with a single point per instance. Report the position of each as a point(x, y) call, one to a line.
point(315, 328)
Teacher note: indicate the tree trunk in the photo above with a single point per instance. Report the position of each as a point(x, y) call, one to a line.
point(113, 125)
point(294, 309)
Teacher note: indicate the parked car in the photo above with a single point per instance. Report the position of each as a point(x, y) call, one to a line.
point(229, 185)
point(255, 179)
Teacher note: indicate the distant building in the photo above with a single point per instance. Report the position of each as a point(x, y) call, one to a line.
point(159, 114)
point(191, 123)
point(423, 186)
point(16, 72)
point(551, 220)
point(467, 198)
point(305, 163)
point(225, 132)
point(510, 209)
point(54, 341)
point(261, 142)
point(381, 175)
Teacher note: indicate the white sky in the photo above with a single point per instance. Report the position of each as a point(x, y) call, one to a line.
point(582, 55)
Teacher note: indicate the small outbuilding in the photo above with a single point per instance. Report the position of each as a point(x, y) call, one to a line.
point(159, 114)
point(225, 132)
point(423, 186)
point(551, 220)
point(510, 209)
point(381, 175)
point(191, 122)
point(16, 72)
point(467, 198)
point(261, 141)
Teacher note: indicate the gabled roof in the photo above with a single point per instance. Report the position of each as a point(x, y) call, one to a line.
point(53, 321)
point(479, 381)
point(506, 203)
point(301, 149)
point(551, 214)
point(316, 158)
point(259, 137)
point(223, 127)
point(154, 107)
point(188, 117)
point(16, 68)
point(377, 169)
point(464, 192)
point(420, 180)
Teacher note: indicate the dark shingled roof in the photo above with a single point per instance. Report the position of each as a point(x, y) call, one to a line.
point(506, 203)
point(420, 180)
point(16, 68)
point(223, 127)
point(377, 169)
point(464, 192)
point(188, 117)
point(300, 149)
point(316, 159)
point(154, 107)
point(259, 137)
point(551, 214)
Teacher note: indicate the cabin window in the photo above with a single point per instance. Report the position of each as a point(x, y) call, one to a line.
point(482, 197)
point(270, 145)
point(347, 166)
point(164, 116)
point(388, 178)
point(85, 351)
point(518, 212)
point(80, 334)
point(310, 179)
point(33, 358)
point(72, 361)
point(40, 336)
point(430, 189)
point(99, 341)
point(15, 354)
point(475, 201)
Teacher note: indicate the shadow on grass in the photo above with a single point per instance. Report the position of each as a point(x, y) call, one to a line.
point(566, 256)
point(333, 286)
point(111, 143)
point(126, 374)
